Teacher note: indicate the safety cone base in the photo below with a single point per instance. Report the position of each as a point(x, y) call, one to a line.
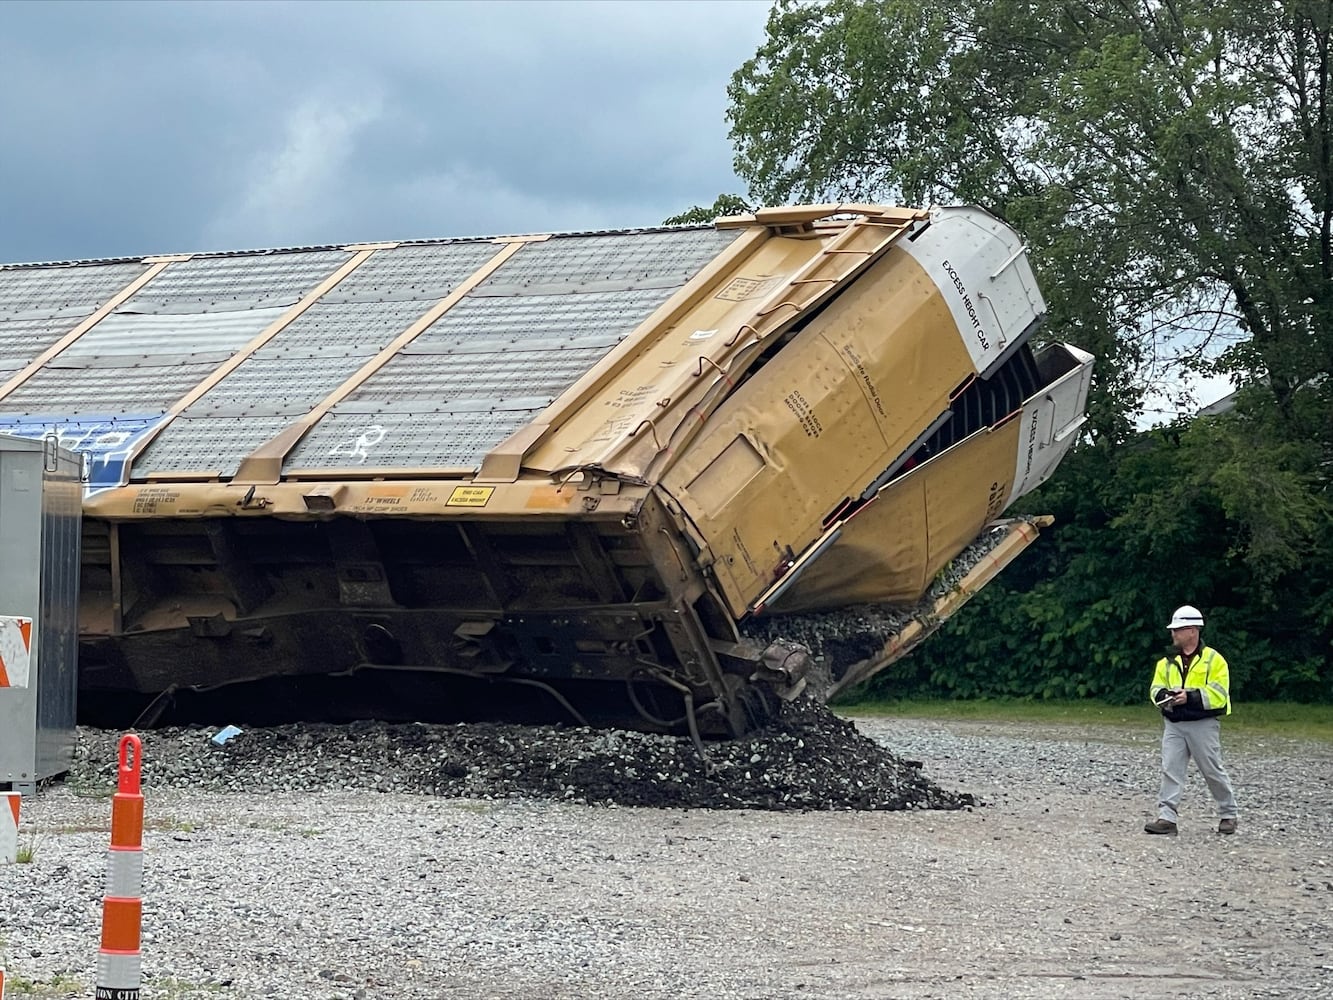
point(9, 828)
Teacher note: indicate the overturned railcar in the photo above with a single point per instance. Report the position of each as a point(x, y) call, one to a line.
point(563, 461)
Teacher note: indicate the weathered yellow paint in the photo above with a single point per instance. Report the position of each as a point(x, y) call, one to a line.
point(1018, 536)
point(640, 408)
point(834, 408)
point(692, 395)
point(892, 548)
point(418, 498)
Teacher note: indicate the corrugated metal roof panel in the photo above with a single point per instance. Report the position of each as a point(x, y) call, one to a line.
point(210, 284)
point(442, 378)
point(483, 349)
point(77, 287)
point(207, 444)
point(507, 349)
point(584, 260)
point(21, 340)
point(362, 326)
point(543, 320)
point(397, 440)
point(484, 369)
point(70, 391)
point(290, 384)
point(310, 357)
point(129, 333)
point(418, 272)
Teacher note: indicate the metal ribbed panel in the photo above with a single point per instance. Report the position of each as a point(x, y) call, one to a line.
point(68, 391)
point(488, 367)
point(24, 339)
point(509, 375)
point(626, 258)
point(80, 288)
point(494, 361)
point(419, 272)
point(367, 326)
point(129, 334)
point(210, 284)
point(206, 444)
point(405, 439)
point(484, 351)
point(544, 320)
point(308, 359)
point(286, 385)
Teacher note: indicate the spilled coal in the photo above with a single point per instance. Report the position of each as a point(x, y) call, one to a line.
point(807, 759)
point(841, 638)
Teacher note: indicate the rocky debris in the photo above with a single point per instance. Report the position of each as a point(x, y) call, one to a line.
point(840, 638)
point(808, 759)
point(334, 895)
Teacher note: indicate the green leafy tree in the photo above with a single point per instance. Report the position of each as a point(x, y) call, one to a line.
point(726, 204)
point(1170, 164)
point(1221, 512)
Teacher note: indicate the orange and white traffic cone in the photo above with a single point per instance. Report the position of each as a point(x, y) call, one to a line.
point(118, 961)
point(15, 651)
point(9, 828)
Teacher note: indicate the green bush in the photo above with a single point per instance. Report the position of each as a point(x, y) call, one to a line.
point(1229, 513)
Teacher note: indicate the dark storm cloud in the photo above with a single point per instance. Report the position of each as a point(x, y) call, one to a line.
point(139, 128)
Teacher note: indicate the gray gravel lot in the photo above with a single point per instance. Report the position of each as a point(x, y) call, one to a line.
point(1047, 889)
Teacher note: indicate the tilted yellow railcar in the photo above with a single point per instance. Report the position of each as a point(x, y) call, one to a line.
point(567, 461)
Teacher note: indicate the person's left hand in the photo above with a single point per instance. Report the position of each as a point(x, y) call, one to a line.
point(1180, 698)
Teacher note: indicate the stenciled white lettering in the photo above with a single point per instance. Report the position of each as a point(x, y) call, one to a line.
point(967, 304)
point(1032, 440)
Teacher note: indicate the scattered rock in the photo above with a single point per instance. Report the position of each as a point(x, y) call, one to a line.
point(841, 638)
point(807, 759)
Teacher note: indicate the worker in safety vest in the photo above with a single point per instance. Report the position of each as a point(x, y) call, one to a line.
point(1192, 688)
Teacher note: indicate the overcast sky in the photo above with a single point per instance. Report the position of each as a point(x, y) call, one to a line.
point(136, 128)
point(160, 127)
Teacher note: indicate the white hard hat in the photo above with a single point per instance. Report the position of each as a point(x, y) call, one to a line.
point(1185, 616)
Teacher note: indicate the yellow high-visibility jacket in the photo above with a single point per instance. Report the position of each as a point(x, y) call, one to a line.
point(1207, 685)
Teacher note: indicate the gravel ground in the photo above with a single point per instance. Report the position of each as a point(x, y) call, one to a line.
point(1045, 887)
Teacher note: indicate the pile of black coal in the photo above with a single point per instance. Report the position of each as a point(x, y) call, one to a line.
point(807, 759)
point(840, 638)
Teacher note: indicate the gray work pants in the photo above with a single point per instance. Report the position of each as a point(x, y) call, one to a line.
point(1202, 740)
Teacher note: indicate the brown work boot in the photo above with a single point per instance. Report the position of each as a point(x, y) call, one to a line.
point(1164, 826)
point(1226, 826)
